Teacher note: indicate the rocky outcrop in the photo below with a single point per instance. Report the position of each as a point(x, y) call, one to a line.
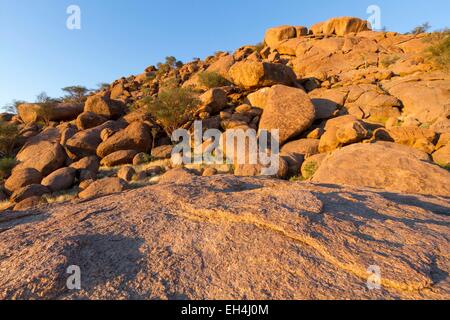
point(287, 109)
point(102, 105)
point(30, 113)
point(426, 100)
point(340, 26)
point(85, 143)
point(167, 240)
point(254, 74)
point(275, 36)
point(88, 120)
point(136, 136)
point(384, 165)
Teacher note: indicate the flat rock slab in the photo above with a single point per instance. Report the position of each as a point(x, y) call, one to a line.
point(225, 237)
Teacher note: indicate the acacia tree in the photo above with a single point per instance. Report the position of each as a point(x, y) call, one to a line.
point(47, 105)
point(424, 27)
point(13, 106)
point(172, 108)
point(76, 93)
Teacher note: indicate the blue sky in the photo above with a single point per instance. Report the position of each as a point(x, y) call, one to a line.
point(119, 38)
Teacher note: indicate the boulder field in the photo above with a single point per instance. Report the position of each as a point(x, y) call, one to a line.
point(363, 177)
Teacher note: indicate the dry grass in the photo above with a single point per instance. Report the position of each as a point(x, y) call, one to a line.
point(5, 205)
point(62, 196)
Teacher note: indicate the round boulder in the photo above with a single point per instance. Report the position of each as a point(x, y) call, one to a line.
point(119, 158)
point(21, 178)
point(61, 179)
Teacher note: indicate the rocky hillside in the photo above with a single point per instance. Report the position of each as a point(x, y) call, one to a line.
point(356, 109)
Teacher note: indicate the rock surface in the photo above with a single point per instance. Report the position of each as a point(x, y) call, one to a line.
point(136, 136)
point(167, 241)
point(386, 166)
point(103, 187)
point(253, 74)
point(30, 113)
point(60, 179)
point(288, 109)
point(21, 178)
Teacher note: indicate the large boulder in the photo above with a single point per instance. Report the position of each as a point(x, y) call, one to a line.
point(29, 203)
point(370, 102)
point(341, 26)
point(91, 163)
point(255, 170)
point(59, 112)
point(442, 156)
point(137, 136)
point(302, 147)
point(287, 109)
point(213, 100)
point(59, 180)
point(426, 101)
point(21, 178)
point(276, 35)
point(88, 120)
point(43, 155)
point(33, 190)
point(126, 173)
point(67, 130)
point(352, 132)
point(384, 165)
point(102, 105)
point(222, 65)
point(102, 188)
point(341, 131)
point(85, 143)
point(162, 152)
point(118, 158)
point(327, 102)
point(419, 138)
point(253, 74)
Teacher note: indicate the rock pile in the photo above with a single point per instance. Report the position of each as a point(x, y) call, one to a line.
point(353, 106)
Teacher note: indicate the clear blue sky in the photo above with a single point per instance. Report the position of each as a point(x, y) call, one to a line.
point(119, 38)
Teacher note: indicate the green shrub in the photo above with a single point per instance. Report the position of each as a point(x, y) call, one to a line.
point(47, 105)
point(171, 64)
point(6, 166)
point(259, 46)
point(13, 106)
point(310, 169)
point(389, 61)
point(46, 112)
point(439, 52)
point(9, 134)
point(297, 179)
point(424, 27)
point(212, 80)
point(172, 108)
point(103, 86)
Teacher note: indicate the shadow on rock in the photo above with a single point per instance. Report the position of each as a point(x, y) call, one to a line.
point(104, 259)
point(12, 219)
